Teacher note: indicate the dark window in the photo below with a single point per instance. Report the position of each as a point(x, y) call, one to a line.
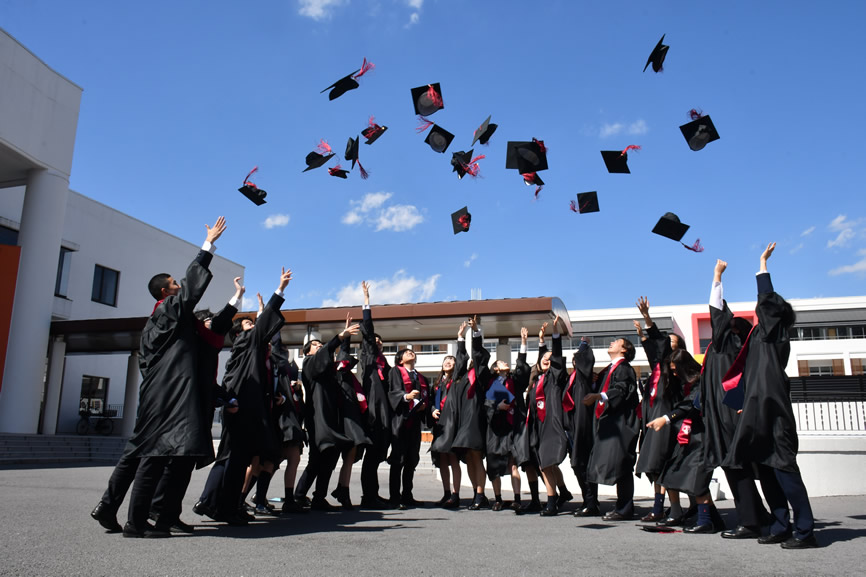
point(8, 236)
point(105, 285)
point(704, 343)
point(61, 285)
point(94, 392)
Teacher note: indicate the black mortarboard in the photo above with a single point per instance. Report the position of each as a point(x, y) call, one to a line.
point(587, 202)
point(338, 171)
point(439, 139)
point(526, 156)
point(460, 220)
point(484, 132)
point(342, 86)
point(699, 132)
point(352, 150)
point(657, 57)
point(530, 178)
point(373, 131)
point(669, 226)
point(315, 160)
point(251, 191)
point(616, 161)
point(459, 162)
point(427, 99)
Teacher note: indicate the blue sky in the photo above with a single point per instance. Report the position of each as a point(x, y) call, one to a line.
point(182, 99)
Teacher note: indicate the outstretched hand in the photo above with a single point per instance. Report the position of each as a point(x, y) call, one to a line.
point(366, 288)
point(348, 319)
point(239, 288)
point(524, 334)
point(214, 233)
point(720, 268)
point(462, 329)
point(643, 306)
point(638, 328)
point(350, 330)
point(285, 277)
point(541, 331)
point(765, 256)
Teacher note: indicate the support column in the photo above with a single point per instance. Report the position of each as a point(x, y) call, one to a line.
point(39, 238)
point(56, 363)
point(503, 351)
point(130, 398)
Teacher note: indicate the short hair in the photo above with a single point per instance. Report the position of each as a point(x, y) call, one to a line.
point(377, 336)
point(398, 358)
point(308, 345)
point(629, 349)
point(157, 283)
point(203, 314)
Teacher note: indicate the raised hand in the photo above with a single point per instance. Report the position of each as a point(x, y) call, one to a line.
point(541, 331)
point(638, 328)
point(720, 267)
point(285, 277)
point(348, 319)
point(214, 233)
point(524, 334)
point(366, 288)
point(261, 302)
point(643, 306)
point(239, 288)
point(350, 330)
point(765, 256)
point(462, 329)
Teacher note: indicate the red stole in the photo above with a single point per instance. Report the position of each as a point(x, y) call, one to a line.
point(686, 426)
point(540, 406)
point(159, 302)
point(509, 416)
point(345, 368)
point(380, 367)
point(409, 386)
point(735, 372)
point(654, 383)
point(599, 406)
point(444, 396)
point(470, 392)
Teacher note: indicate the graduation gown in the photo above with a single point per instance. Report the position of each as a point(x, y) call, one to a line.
point(323, 392)
point(171, 419)
point(686, 471)
point(351, 413)
point(445, 428)
point(547, 438)
point(616, 430)
point(662, 392)
point(406, 415)
point(581, 419)
point(719, 418)
point(500, 424)
point(520, 449)
point(766, 432)
point(288, 417)
point(374, 379)
point(248, 379)
point(468, 397)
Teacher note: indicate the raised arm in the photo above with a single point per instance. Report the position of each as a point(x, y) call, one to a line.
point(197, 274)
point(270, 319)
point(461, 359)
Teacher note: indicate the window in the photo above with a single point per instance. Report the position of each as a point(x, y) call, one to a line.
point(8, 236)
point(94, 392)
point(389, 349)
point(820, 370)
point(431, 349)
point(105, 286)
point(490, 346)
point(704, 343)
point(61, 284)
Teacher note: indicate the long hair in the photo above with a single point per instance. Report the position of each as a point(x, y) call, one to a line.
point(442, 371)
point(688, 368)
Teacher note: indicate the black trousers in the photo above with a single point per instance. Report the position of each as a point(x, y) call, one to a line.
point(625, 495)
point(374, 455)
point(319, 468)
point(175, 480)
point(405, 455)
point(588, 491)
point(120, 481)
point(781, 488)
point(150, 470)
point(750, 508)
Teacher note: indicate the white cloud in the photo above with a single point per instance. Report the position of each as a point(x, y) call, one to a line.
point(467, 263)
point(842, 238)
point(413, 19)
point(857, 267)
point(637, 128)
point(276, 220)
point(372, 210)
point(839, 223)
point(611, 129)
point(797, 248)
point(400, 288)
point(249, 303)
point(808, 231)
point(319, 9)
point(415, 5)
point(845, 227)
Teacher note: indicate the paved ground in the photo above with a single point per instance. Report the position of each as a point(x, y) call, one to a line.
point(47, 530)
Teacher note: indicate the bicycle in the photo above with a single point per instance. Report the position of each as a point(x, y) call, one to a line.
point(102, 423)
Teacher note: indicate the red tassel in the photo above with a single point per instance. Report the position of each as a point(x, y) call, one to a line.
point(472, 169)
point(334, 170)
point(365, 67)
point(540, 144)
point(247, 178)
point(537, 190)
point(695, 114)
point(477, 158)
point(372, 122)
point(423, 124)
point(364, 173)
point(630, 147)
point(323, 147)
point(464, 221)
point(434, 96)
point(696, 247)
point(573, 206)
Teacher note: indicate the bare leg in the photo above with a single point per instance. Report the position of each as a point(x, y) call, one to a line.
point(345, 476)
point(456, 472)
point(292, 455)
point(515, 479)
point(445, 473)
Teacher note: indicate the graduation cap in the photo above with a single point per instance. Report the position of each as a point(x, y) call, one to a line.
point(586, 202)
point(439, 139)
point(484, 132)
point(338, 172)
point(530, 178)
point(700, 131)
point(427, 99)
point(462, 163)
point(657, 57)
point(352, 154)
point(251, 191)
point(349, 82)
point(373, 131)
point(526, 156)
point(616, 161)
point(460, 220)
point(696, 247)
point(320, 156)
point(669, 226)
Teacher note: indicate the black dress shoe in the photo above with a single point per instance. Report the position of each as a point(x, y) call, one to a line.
point(203, 510)
point(106, 518)
point(479, 503)
point(497, 506)
point(533, 506)
point(375, 504)
point(741, 532)
point(181, 527)
point(443, 500)
point(652, 517)
point(410, 501)
point(292, 508)
point(147, 532)
point(232, 520)
point(453, 502)
point(322, 505)
point(588, 512)
point(564, 497)
point(691, 511)
point(515, 506)
point(551, 510)
point(303, 501)
point(671, 521)
point(808, 543)
point(774, 539)
point(244, 514)
point(614, 516)
point(704, 528)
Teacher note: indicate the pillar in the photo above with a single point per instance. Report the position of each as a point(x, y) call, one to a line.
point(39, 238)
point(503, 351)
point(56, 363)
point(130, 398)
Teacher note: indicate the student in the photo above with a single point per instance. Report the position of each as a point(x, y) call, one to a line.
point(766, 433)
point(444, 423)
point(500, 411)
point(580, 384)
point(374, 378)
point(616, 429)
point(410, 399)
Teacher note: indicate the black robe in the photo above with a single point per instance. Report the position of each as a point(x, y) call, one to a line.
point(323, 392)
point(406, 416)
point(719, 418)
point(686, 471)
point(500, 426)
point(288, 417)
point(354, 420)
point(470, 423)
point(211, 343)
point(171, 418)
point(616, 431)
point(248, 379)
point(656, 447)
point(581, 419)
point(376, 388)
point(520, 449)
point(547, 440)
point(445, 427)
point(766, 432)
